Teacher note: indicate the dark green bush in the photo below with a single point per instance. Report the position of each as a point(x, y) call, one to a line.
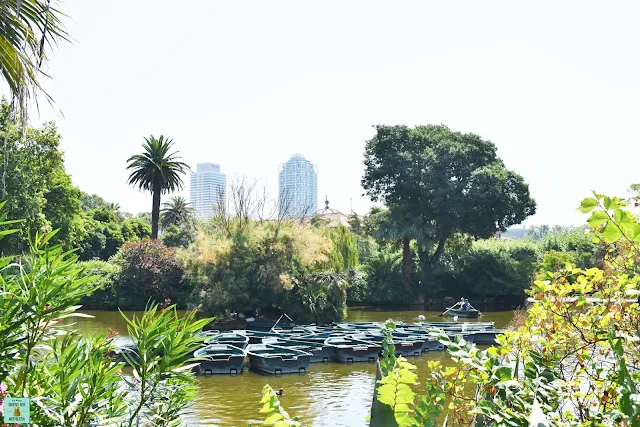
point(105, 295)
point(491, 268)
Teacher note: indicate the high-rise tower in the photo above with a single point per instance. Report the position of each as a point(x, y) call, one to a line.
point(208, 188)
point(298, 187)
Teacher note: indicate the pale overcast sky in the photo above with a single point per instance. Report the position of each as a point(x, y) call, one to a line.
point(555, 85)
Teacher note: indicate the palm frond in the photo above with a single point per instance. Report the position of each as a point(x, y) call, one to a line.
point(176, 211)
point(26, 28)
point(157, 167)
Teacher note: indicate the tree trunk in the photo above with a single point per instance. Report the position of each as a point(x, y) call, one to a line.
point(440, 249)
point(155, 212)
point(406, 266)
point(427, 263)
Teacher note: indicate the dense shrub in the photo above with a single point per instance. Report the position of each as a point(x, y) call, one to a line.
point(252, 269)
point(175, 236)
point(491, 268)
point(135, 229)
point(318, 298)
point(149, 272)
point(106, 285)
point(358, 290)
point(99, 235)
point(573, 245)
point(345, 249)
point(384, 279)
point(73, 379)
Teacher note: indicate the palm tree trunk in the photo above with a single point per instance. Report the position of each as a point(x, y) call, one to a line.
point(155, 212)
point(406, 265)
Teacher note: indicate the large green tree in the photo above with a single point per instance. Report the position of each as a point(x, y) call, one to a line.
point(62, 203)
point(90, 202)
point(35, 185)
point(158, 171)
point(445, 182)
point(99, 233)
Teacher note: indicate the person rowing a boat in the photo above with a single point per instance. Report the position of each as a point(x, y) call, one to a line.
point(465, 304)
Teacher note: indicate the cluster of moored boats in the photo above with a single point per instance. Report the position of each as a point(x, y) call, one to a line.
point(292, 350)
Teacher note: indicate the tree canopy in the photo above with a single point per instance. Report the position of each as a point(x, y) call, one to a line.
point(35, 185)
point(445, 182)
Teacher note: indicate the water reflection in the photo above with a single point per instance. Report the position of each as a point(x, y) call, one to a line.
point(329, 395)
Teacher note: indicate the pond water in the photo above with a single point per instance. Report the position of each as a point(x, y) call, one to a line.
point(330, 394)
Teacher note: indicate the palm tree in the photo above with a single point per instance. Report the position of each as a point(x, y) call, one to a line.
point(158, 171)
point(113, 207)
point(176, 211)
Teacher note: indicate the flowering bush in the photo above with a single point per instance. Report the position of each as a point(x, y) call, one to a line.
point(149, 271)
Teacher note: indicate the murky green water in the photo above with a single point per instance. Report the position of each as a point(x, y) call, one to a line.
point(329, 395)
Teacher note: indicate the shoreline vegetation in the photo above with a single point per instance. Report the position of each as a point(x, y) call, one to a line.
point(251, 259)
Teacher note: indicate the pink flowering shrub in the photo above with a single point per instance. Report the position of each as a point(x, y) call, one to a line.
point(149, 271)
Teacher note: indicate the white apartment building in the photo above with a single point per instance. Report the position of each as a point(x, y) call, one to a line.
point(208, 188)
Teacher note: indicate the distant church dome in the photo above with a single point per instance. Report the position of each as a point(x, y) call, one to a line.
point(333, 216)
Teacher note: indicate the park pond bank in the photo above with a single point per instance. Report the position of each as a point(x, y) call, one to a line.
point(331, 394)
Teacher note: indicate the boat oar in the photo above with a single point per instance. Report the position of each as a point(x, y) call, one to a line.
point(448, 309)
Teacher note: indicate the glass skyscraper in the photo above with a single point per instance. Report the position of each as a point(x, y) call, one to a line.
point(208, 188)
point(298, 187)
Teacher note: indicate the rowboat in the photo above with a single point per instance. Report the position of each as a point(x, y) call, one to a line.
point(320, 353)
point(485, 337)
point(277, 360)
point(267, 326)
point(220, 359)
point(318, 338)
point(349, 350)
point(405, 346)
point(472, 313)
point(234, 339)
point(359, 325)
point(256, 337)
point(450, 325)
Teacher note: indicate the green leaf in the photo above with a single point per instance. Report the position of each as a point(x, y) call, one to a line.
point(610, 203)
point(634, 232)
point(273, 418)
point(504, 373)
point(6, 232)
point(597, 218)
point(611, 233)
point(588, 205)
point(618, 215)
